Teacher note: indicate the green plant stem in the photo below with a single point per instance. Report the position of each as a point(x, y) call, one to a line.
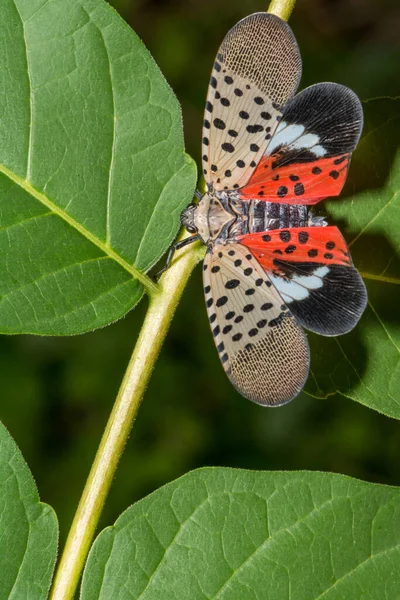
point(162, 306)
point(159, 315)
point(282, 8)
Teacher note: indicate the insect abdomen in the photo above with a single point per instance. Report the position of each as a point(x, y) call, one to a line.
point(267, 215)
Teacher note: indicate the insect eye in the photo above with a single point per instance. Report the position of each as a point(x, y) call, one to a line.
point(191, 228)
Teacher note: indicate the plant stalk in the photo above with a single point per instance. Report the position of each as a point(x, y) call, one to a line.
point(162, 306)
point(282, 8)
point(155, 326)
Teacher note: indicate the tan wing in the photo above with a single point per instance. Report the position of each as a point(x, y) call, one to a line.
point(262, 348)
point(257, 70)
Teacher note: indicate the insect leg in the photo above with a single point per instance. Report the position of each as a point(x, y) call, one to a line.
point(174, 247)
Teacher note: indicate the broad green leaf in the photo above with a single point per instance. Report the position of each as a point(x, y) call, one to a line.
point(364, 365)
point(229, 534)
point(28, 529)
point(92, 169)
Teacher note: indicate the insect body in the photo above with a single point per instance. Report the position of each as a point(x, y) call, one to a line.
point(271, 266)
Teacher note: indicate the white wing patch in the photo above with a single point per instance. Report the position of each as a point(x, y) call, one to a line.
point(295, 137)
point(298, 286)
point(257, 69)
point(262, 348)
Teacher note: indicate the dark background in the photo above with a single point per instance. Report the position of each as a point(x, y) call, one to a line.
point(56, 393)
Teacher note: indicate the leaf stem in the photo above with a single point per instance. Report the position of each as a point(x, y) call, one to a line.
point(282, 8)
point(155, 326)
point(162, 306)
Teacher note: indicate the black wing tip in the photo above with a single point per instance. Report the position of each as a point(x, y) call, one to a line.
point(339, 109)
point(342, 92)
point(353, 316)
point(336, 308)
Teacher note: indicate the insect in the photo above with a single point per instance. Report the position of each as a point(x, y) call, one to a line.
point(272, 267)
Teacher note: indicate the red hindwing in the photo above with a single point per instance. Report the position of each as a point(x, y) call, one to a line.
point(296, 183)
point(324, 245)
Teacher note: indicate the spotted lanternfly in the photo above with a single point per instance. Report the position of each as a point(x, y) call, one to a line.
point(272, 267)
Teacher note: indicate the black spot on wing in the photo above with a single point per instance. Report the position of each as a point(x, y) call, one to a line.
point(299, 189)
point(219, 123)
point(282, 191)
point(303, 237)
point(228, 147)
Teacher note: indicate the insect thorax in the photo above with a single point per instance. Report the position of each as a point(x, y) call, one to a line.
point(223, 216)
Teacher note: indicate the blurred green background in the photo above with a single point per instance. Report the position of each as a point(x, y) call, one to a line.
point(56, 393)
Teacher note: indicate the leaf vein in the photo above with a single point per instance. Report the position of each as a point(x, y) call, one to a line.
point(150, 286)
point(270, 540)
point(383, 327)
point(360, 233)
point(30, 136)
point(167, 549)
point(7, 228)
point(53, 274)
point(353, 367)
point(149, 222)
point(112, 157)
point(352, 571)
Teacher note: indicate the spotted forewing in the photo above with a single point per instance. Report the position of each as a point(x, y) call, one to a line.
point(256, 71)
point(262, 348)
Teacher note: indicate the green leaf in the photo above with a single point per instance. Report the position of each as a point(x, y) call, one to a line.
point(364, 365)
point(28, 529)
point(232, 534)
point(93, 174)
